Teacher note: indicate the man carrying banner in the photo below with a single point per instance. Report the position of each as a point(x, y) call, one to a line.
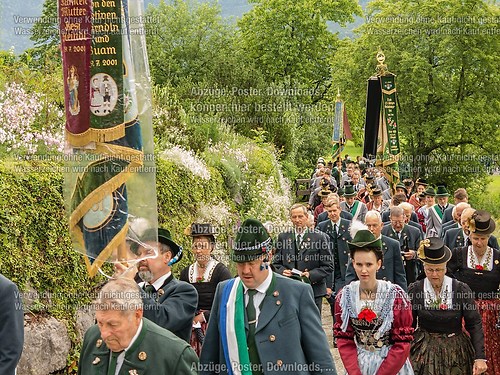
point(168, 302)
point(262, 322)
point(341, 128)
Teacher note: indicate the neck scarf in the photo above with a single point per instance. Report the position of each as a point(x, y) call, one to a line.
point(232, 324)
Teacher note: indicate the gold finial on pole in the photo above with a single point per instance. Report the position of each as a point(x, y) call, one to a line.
point(338, 93)
point(381, 67)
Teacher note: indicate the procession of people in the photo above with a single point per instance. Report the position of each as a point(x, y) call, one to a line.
point(412, 286)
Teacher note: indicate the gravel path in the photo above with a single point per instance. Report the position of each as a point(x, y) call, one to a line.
point(326, 318)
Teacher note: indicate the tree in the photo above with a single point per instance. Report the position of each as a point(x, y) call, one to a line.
point(447, 65)
point(290, 43)
point(290, 40)
point(45, 33)
point(188, 41)
point(46, 30)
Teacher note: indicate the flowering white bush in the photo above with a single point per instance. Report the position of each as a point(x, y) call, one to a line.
point(219, 215)
point(19, 112)
point(225, 150)
point(270, 204)
point(262, 184)
point(224, 222)
point(165, 124)
point(188, 160)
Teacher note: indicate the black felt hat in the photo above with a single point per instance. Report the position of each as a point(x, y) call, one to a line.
point(408, 182)
point(421, 181)
point(376, 192)
point(433, 250)
point(324, 192)
point(481, 222)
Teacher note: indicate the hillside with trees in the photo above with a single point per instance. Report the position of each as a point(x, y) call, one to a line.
point(241, 108)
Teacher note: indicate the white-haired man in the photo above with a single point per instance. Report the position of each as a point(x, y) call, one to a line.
point(123, 342)
point(456, 213)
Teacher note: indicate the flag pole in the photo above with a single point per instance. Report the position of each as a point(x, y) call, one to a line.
point(381, 141)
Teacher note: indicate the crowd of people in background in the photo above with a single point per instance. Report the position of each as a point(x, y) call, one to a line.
point(443, 255)
point(412, 282)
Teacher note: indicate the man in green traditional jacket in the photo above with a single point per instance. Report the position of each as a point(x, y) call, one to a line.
point(125, 343)
point(262, 323)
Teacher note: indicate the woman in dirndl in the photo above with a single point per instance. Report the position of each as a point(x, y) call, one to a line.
point(372, 317)
point(442, 345)
point(478, 266)
point(204, 274)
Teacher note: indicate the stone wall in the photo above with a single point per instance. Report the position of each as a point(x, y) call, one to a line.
point(47, 343)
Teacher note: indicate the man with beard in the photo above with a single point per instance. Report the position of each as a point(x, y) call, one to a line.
point(168, 302)
point(123, 342)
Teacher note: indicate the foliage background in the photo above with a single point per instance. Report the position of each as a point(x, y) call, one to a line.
point(241, 109)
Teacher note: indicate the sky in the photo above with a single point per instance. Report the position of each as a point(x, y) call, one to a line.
point(17, 18)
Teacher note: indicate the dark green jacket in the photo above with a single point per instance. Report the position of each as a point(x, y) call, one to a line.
point(155, 352)
point(11, 326)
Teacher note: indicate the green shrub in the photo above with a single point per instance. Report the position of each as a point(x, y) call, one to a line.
point(37, 250)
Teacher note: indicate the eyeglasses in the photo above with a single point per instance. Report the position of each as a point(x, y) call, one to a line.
point(397, 221)
point(434, 270)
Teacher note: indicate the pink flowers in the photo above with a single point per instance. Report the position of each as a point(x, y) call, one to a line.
point(27, 121)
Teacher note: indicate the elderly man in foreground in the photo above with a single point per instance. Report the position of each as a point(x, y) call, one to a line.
point(123, 342)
